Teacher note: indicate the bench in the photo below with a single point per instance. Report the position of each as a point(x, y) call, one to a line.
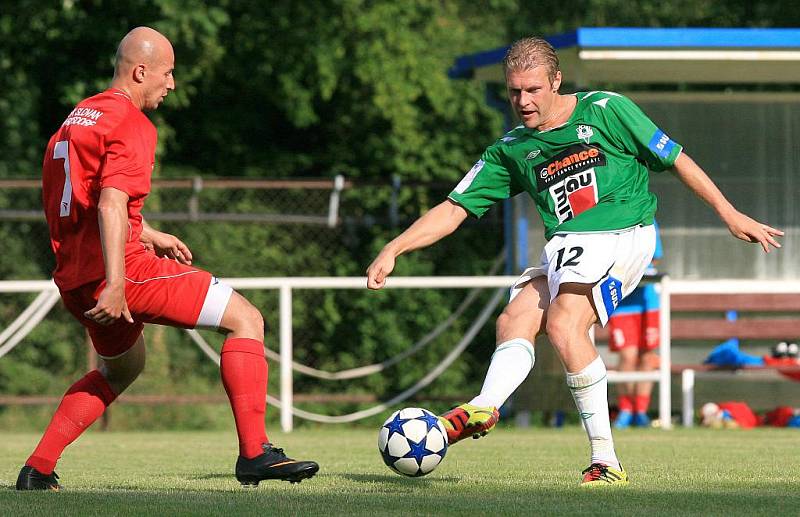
point(702, 316)
point(752, 323)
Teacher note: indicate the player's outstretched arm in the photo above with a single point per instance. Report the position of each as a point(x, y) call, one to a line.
point(740, 225)
point(165, 244)
point(440, 221)
point(112, 216)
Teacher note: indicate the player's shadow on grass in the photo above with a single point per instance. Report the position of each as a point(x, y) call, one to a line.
point(230, 475)
point(397, 480)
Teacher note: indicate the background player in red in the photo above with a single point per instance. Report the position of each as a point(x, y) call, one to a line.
point(634, 334)
point(116, 273)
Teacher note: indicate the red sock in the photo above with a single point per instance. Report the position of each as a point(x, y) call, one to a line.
point(625, 403)
point(641, 403)
point(81, 405)
point(244, 375)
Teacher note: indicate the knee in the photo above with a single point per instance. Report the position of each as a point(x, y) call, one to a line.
point(249, 319)
point(120, 376)
point(517, 324)
point(252, 319)
point(255, 318)
point(647, 360)
point(559, 331)
point(628, 361)
point(503, 324)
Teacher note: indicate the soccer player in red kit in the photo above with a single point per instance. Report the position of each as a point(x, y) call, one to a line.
point(116, 273)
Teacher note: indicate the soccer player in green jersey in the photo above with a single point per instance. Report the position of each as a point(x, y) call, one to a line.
point(584, 158)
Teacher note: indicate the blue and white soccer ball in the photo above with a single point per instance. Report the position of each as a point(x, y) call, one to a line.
point(412, 442)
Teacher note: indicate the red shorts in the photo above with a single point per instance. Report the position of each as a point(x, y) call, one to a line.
point(634, 330)
point(158, 290)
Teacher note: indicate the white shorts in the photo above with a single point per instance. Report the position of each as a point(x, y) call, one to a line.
point(217, 298)
point(614, 262)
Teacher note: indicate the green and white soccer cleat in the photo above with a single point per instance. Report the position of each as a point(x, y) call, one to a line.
point(468, 420)
point(600, 475)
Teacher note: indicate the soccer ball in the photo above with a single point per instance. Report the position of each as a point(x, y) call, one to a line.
point(412, 442)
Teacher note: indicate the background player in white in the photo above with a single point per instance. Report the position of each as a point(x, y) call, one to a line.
point(600, 241)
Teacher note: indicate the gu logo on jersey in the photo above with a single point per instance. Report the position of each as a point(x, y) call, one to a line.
point(585, 133)
point(574, 195)
point(570, 178)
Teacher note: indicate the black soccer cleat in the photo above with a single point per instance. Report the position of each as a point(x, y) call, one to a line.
point(31, 479)
point(273, 464)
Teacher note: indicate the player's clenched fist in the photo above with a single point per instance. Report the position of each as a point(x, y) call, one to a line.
point(380, 268)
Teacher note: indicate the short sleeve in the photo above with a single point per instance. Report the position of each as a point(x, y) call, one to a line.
point(487, 182)
point(126, 165)
point(639, 135)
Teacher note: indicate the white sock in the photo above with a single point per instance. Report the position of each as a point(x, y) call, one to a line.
point(590, 390)
point(511, 363)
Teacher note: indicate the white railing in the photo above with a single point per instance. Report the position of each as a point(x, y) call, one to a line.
point(285, 285)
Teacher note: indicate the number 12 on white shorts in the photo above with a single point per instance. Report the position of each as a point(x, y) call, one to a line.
point(613, 262)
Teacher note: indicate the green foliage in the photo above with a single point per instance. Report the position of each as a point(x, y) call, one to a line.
point(289, 90)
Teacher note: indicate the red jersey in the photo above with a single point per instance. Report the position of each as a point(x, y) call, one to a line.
point(105, 141)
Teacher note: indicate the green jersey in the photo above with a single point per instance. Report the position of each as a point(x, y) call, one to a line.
point(587, 175)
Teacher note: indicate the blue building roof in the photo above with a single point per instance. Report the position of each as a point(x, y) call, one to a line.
point(635, 54)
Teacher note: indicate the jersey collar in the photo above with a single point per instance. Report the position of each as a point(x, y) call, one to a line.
point(572, 116)
point(117, 91)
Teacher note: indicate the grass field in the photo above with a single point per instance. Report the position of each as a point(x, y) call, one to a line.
point(511, 472)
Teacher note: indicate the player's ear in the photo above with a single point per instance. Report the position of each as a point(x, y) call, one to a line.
point(557, 81)
point(139, 72)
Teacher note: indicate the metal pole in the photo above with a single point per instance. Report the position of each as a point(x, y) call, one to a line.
point(394, 202)
point(665, 368)
point(687, 387)
point(333, 203)
point(285, 315)
point(194, 200)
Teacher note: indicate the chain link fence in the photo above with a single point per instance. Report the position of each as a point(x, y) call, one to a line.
point(243, 227)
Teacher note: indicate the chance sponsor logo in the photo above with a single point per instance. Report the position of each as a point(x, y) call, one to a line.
point(572, 160)
point(571, 180)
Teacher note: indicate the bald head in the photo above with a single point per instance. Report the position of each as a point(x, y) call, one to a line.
point(141, 45)
point(143, 67)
